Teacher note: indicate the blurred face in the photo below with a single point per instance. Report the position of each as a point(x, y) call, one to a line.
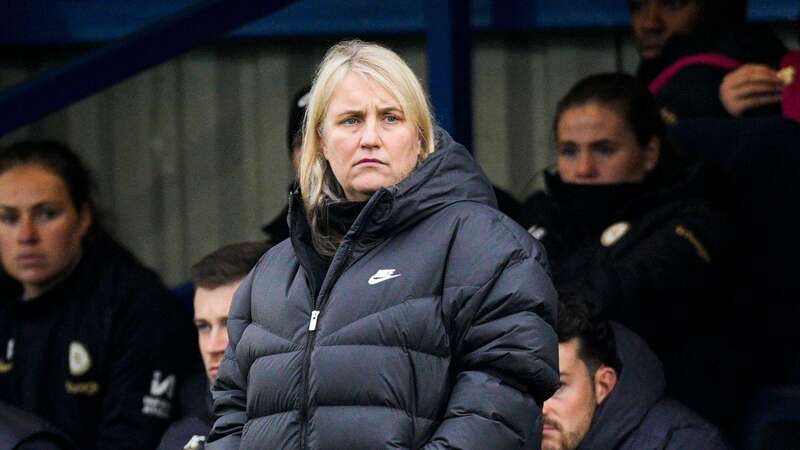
point(568, 413)
point(596, 146)
point(211, 308)
point(366, 138)
point(655, 21)
point(40, 228)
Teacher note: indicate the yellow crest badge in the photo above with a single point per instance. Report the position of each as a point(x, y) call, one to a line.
point(614, 233)
point(79, 360)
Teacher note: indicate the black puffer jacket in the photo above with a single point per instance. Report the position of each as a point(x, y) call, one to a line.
point(434, 328)
point(637, 416)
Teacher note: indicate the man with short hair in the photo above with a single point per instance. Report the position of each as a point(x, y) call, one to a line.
point(612, 392)
point(216, 276)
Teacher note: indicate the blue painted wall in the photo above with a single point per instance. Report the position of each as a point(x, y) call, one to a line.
point(44, 22)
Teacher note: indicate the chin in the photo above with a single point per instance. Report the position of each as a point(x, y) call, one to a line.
point(550, 444)
point(370, 186)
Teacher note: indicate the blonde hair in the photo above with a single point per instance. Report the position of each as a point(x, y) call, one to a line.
point(381, 65)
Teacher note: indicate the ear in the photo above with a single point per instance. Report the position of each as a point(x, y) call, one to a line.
point(652, 152)
point(605, 379)
point(86, 219)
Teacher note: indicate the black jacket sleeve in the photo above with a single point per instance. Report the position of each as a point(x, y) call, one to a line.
point(152, 346)
point(505, 348)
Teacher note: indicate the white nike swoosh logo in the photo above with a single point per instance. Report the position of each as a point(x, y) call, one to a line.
point(375, 279)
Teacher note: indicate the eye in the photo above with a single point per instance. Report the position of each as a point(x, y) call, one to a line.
point(391, 118)
point(605, 149)
point(202, 327)
point(567, 150)
point(350, 121)
point(47, 214)
point(9, 218)
point(675, 4)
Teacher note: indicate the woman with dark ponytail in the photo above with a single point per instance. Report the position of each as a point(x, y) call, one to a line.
point(91, 341)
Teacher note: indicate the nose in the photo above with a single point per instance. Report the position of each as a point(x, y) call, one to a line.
point(651, 19)
point(586, 167)
point(219, 339)
point(545, 407)
point(27, 232)
point(369, 134)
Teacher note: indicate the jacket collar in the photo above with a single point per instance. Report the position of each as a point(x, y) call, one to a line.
point(448, 176)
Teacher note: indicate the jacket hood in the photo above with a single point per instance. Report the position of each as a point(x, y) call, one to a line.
point(640, 385)
point(449, 175)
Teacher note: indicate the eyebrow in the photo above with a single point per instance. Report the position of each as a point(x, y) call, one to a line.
point(601, 141)
point(359, 112)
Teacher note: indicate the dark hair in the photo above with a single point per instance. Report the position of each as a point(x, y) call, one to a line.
point(714, 14)
point(297, 113)
point(56, 158)
point(228, 264)
point(623, 93)
point(723, 14)
point(596, 344)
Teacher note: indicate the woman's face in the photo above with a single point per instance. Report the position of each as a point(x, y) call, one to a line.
point(366, 138)
point(596, 146)
point(40, 228)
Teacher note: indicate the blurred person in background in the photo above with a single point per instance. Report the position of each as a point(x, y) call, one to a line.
point(612, 393)
point(278, 229)
point(701, 58)
point(216, 277)
point(93, 343)
point(626, 225)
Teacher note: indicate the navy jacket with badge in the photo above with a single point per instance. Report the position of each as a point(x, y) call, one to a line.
point(99, 354)
point(434, 328)
point(636, 415)
point(196, 417)
point(647, 255)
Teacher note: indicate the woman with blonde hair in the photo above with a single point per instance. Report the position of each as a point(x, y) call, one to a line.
point(404, 311)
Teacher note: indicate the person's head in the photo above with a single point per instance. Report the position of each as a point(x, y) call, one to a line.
point(588, 366)
point(294, 135)
point(608, 130)
point(216, 278)
point(368, 125)
point(654, 22)
point(46, 210)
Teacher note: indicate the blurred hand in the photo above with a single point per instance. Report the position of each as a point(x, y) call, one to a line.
point(750, 86)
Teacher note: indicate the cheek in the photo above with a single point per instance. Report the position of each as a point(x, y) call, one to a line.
point(406, 157)
point(564, 166)
point(203, 343)
point(65, 242)
point(338, 150)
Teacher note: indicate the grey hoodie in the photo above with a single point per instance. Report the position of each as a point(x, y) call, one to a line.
point(637, 416)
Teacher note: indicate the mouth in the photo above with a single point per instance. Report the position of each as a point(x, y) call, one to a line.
point(30, 260)
point(214, 370)
point(650, 50)
point(369, 161)
point(549, 427)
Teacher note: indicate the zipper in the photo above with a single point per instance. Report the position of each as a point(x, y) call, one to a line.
point(311, 337)
point(316, 310)
point(312, 325)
